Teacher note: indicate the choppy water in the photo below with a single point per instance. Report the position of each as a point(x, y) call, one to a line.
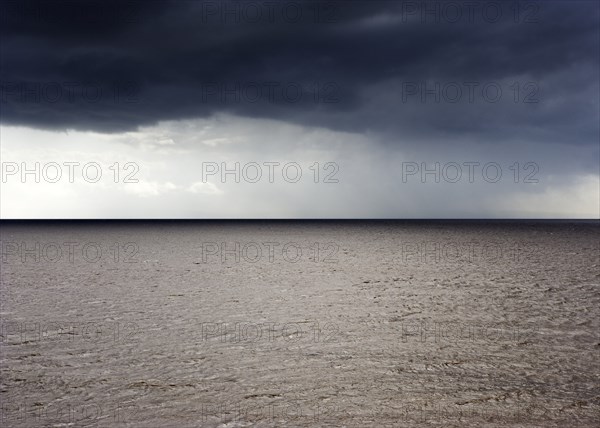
point(301, 324)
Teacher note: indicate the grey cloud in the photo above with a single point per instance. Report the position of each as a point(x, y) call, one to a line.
point(176, 60)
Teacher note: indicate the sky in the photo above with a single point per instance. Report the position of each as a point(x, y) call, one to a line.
point(300, 109)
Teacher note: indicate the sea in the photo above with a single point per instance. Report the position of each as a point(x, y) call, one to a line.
point(300, 323)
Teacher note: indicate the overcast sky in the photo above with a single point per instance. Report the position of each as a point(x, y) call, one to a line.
point(341, 109)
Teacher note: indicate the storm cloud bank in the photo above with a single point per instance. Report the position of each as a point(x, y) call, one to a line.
point(411, 81)
point(417, 67)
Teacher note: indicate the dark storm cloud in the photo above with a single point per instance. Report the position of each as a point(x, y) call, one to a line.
point(348, 65)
